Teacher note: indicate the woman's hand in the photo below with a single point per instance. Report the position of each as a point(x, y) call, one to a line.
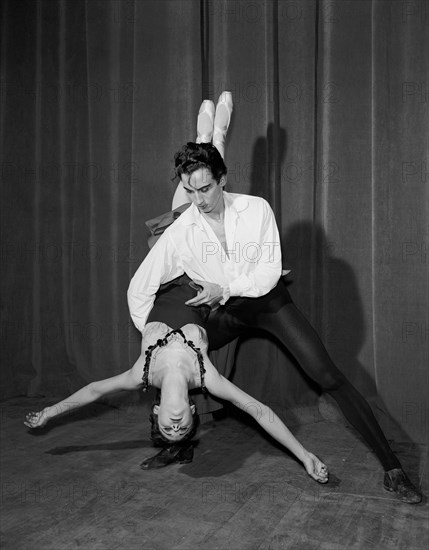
point(315, 468)
point(36, 419)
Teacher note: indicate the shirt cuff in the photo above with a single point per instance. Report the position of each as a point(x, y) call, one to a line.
point(239, 286)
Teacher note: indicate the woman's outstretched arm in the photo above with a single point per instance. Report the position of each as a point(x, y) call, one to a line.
point(129, 380)
point(219, 386)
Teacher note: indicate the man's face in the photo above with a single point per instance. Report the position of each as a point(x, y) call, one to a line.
point(204, 191)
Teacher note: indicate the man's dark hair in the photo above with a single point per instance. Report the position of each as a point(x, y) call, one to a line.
point(194, 156)
point(158, 439)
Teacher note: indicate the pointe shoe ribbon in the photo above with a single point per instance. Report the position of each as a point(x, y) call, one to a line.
point(221, 121)
point(205, 121)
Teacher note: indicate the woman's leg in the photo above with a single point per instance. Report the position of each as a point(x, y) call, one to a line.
point(291, 327)
point(205, 121)
point(221, 121)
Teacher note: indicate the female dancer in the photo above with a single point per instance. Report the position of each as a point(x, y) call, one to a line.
point(176, 361)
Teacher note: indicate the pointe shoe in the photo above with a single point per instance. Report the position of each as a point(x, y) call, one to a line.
point(396, 481)
point(221, 121)
point(205, 121)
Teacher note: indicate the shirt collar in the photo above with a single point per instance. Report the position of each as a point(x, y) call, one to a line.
point(233, 202)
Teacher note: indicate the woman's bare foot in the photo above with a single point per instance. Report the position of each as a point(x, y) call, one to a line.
point(315, 468)
point(36, 419)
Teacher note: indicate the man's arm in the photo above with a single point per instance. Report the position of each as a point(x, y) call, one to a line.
point(161, 265)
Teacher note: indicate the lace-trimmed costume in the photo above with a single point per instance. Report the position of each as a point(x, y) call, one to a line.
point(170, 311)
point(157, 340)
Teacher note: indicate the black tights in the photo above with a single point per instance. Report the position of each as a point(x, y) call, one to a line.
point(293, 330)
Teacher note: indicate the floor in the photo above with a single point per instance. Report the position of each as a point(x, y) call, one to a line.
point(77, 485)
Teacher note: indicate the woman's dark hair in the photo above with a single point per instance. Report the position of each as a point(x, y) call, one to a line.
point(194, 156)
point(158, 439)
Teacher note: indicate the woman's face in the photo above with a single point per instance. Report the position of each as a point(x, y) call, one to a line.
point(175, 419)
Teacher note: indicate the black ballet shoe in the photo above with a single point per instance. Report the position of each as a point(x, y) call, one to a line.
point(396, 481)
point(170, 455)
point(163, 458)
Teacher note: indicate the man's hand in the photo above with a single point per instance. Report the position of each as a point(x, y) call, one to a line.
point(210, 295)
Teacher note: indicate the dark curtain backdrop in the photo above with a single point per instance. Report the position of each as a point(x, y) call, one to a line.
point(330, 125)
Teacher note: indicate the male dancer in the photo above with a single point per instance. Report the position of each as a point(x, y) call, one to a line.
point(229, 245)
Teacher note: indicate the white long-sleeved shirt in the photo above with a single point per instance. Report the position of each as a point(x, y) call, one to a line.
point(251, 268)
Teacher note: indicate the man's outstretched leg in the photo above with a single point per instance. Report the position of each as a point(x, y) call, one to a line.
point(290, 326)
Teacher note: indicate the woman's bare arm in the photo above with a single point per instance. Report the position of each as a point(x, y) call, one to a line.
point(219, 386)
point(129, 380)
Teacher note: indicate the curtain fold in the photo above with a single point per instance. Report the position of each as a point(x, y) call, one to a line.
point(329, 125)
